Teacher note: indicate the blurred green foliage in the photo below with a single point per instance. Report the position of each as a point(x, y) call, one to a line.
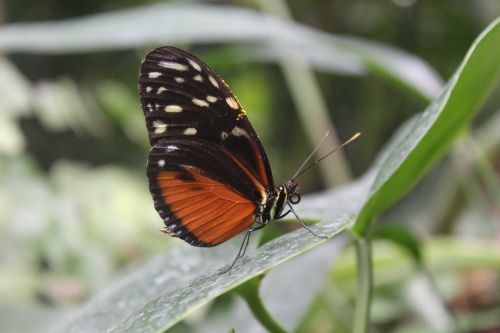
point(74, 203)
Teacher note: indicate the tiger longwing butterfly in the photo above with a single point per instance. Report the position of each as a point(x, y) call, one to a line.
point(208, 173)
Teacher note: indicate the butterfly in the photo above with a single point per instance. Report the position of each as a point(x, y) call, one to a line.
point(208, 172)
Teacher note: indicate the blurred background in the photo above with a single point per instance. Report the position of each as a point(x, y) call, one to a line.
point(74, 203)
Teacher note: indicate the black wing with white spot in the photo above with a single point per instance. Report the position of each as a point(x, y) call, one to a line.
point(183, 98)
point(207, 170)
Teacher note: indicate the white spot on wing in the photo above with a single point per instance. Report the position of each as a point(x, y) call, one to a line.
point(213, 81)
point(159, 126)
point(171, 148)
point(200, 102)
point(148, 89)
point(154, 75)
point(223, 135)
point(198, 78)
point(179, 80)
point(211, 99)
point(195, 65)
point(173, 65)
point(232, 103)
point(173, 108)
point(161, 89)
point(238, 131)
point(161, 163)
point(190, 131)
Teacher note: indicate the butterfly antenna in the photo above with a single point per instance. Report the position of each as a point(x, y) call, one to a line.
point(354, 137)
point(298, 172)
point(304, 225)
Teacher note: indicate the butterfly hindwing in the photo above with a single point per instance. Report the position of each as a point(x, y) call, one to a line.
point(188, 181)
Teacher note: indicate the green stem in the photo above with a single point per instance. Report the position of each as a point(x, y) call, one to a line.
point(249, 291)
point(364, 289)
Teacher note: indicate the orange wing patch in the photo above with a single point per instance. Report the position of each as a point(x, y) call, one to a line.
point(208, 210)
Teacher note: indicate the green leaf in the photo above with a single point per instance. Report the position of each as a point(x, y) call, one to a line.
point(402, 237)
point(171, 286)
point(169, 307)
point(185, 278)
point(430, 135)
point(135, 287)
point(159, 24)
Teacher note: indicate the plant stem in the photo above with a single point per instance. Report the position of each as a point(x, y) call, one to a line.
point(249, 291)
point(364, 288)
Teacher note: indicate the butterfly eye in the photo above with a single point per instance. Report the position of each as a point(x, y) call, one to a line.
point(294, 198)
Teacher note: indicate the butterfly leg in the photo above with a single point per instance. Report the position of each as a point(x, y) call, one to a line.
point(244, 246)
point(261, 224)
point(283, 215)
point(304, 225)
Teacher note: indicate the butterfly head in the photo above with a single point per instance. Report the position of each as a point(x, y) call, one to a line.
point(291, 188)
point(292, 191)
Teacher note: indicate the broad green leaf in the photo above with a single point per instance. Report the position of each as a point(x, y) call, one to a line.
point(173, 285)
point(160, 24)
point(433, 131)
point(185, 278)
point(135, 287)
point(166, 309)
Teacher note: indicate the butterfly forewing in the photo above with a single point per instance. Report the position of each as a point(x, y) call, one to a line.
point(181, 97)
point(207, 170)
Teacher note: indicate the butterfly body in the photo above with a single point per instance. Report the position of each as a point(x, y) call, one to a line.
point(208, 173)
